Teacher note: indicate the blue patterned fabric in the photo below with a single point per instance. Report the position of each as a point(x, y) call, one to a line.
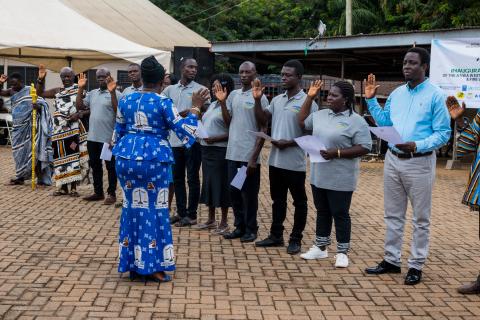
point(143, 160)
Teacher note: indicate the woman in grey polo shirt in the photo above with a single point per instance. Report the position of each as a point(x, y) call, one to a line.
point(347, 138)
point(215, 185)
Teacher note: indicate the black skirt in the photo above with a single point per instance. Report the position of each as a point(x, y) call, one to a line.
point(215, 185)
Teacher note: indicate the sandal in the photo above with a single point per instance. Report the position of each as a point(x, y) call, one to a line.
point(74, 194)
point(15, 182)
point(60, 192)
point(166, 278)
point(201, 226)
point(221, 230)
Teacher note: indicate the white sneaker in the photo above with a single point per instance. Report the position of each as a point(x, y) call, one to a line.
point(314, 253)
point(342, 260)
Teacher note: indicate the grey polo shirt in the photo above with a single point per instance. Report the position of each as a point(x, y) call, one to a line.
point(214, 125)
point(102, 116)
point(240, 142)
point(285, 126)
point(182, 99)
point(340, 130)
point(131, 89)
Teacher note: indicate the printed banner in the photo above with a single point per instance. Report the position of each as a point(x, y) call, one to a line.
point(455, 67)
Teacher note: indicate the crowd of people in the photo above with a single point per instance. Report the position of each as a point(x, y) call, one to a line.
point(153, 127)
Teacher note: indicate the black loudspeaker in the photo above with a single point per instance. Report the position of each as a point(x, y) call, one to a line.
point(205, 60)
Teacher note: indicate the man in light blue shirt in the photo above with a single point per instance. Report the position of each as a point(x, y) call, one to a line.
point(418, 112)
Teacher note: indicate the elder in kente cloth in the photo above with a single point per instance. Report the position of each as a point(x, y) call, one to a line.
point(418, 112)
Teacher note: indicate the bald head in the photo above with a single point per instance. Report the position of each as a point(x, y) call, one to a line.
point(248, 73)
point(248, 64)
point(67, 76)
point(102, 75)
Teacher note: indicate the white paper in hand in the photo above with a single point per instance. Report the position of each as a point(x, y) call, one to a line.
point(106, 152)
point(312, 145)
point(239, 178)
point(388, 134)
point(260, 135)
point(202, 133)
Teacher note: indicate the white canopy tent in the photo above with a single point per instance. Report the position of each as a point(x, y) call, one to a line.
point(50, 33)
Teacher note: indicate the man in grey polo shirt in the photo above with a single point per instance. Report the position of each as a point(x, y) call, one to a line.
point(243, 149)
point(102, 103)
point(287, 163)
point(186, 159)
point(135, 76)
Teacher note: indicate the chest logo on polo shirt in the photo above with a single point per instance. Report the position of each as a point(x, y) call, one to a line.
point(295, 109)
point(248, 105)
point(342, 125)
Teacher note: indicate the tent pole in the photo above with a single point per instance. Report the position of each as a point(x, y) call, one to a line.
point(343, 68)
point(5, 71)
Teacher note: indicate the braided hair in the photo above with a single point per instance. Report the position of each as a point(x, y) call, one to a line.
point(348, 93)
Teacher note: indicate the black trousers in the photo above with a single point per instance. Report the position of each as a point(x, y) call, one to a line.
point(188, 160)
point(94, 151)
point(281, 181)
point(332, 206)
point(245, 201)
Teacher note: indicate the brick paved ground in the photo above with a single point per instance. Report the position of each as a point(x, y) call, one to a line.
point(58, 260)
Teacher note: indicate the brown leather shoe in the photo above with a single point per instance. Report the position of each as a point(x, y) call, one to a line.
point(94, 197)
point(471, 288)
point(109, 200)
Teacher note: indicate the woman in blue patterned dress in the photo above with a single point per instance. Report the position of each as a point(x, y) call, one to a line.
point(143, 156)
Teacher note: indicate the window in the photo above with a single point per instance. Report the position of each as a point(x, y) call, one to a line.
point(92, 79)
point(122, 80)
point(29, 74)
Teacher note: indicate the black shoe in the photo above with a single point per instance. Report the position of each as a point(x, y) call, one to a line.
point(235, 234)
point(383, 267)
point(248, 237)
point(294, 247)
point(174, 219)
point(270, 242)
point(413, 277)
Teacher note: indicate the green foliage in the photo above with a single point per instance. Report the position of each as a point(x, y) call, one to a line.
point(272, 19)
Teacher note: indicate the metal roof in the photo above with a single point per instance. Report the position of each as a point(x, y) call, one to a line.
point(361, 54)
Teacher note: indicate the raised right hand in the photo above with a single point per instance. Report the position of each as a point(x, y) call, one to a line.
point(219, 91)
point(257, 89)
point(315, 87)
point(3, 79)
point(456, 111)
point(42, 72)
point(370, 86)
point(82, 80)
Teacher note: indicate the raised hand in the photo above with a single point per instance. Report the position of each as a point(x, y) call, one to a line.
point(82, 80)
point(454, 108)
point(111, 84)
point(257, 89)
point(200, 97)
point(219, 91)
point(370, 86)
point(3, 79)
point(42, 72)
point(315, 87)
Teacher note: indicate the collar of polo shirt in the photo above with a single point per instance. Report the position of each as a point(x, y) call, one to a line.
point(298, 96)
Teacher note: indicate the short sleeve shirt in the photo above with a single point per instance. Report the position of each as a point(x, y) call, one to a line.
point(182, 99)
point(285, 126)
point(341, 130)
point(214, 125)
point(102, 115)
point(241, 143)
point(131, 89)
